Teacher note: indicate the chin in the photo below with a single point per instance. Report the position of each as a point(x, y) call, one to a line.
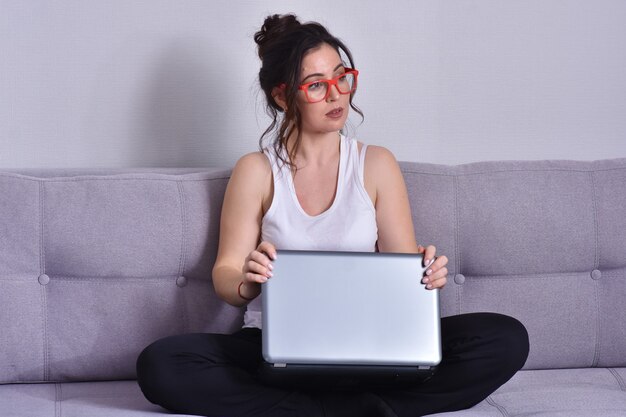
point(335, 128)
point(338, 124)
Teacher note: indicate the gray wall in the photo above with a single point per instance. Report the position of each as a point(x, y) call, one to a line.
point(129, 83)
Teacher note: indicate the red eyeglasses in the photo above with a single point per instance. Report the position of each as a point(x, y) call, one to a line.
point(319, 90)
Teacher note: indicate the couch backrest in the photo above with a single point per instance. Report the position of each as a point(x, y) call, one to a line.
point(542, 241)
point(95, 265)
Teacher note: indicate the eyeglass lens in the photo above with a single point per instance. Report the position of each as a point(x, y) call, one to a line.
point(318, 90)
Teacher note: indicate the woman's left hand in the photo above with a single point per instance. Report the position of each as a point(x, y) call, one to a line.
point(435, 276)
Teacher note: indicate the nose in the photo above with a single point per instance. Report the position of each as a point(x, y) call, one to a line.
point(333, 94)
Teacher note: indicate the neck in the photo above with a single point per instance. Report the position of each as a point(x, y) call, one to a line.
point(315, 149)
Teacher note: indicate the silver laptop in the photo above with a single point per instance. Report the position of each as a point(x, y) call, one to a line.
point(350, 310)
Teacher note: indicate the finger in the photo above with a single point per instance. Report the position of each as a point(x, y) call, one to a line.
point(440, 274)
point(420, 249)
point(261, 259)
point(439, 262)
point(436, 283)
point(431, 275)
point(257, 268)
point(429, 255)
point(268, 249)
point(256, 278)
point(439, 283)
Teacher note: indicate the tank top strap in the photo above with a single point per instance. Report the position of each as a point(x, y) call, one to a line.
point(359, 160)
point(361, 170)
point(275, 162)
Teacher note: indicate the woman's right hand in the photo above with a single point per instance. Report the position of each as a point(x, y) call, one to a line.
point(257, 268)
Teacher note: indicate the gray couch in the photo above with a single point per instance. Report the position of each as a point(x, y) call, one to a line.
point(96, 264)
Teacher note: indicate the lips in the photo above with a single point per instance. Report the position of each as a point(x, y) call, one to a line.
point(335, 113)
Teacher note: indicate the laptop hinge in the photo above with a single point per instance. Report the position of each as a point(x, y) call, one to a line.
point(280, 365)
point(423, 367)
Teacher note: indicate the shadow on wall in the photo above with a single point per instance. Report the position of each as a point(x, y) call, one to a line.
point(184, 108)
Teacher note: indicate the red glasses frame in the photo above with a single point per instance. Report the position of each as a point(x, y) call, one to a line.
point(332, 82)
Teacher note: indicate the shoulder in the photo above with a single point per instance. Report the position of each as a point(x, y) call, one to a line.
point(256, 162)
point(379, 158)
point(381, 172)
point(253, 165)
point(252, 171)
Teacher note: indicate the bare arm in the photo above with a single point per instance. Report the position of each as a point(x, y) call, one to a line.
point(238, 259)
point(393, 212)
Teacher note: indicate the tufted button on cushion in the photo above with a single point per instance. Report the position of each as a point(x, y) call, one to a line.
point(459, 279)
point(596, 274)
point(181, 281)
point(44, 279)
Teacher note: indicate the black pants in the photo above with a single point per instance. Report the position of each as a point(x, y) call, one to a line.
point(214, 375)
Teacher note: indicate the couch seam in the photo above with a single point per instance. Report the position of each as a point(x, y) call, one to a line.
point(619, 379)
point(594, 198)
point(596, 355)
point(505, 279)
point(41, 230)
point(457, 261)
point(534, 275)
point(42, 270)
point(44, 323)
point(103, 178)
point(500, 408)
point(184, 314)
point(18, 278)
point(183, 250)
point(407, 170)
point(58, 400)
point(122, 281)
point(183, 229)
point(590, 169)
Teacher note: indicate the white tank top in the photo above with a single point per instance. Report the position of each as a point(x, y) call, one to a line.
point(349, 224)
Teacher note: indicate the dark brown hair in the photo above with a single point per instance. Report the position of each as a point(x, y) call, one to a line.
point(282, 43)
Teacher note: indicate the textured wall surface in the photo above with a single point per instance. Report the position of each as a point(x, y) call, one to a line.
point(165, 83)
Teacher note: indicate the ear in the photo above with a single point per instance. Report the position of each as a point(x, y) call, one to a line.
point(279, 96)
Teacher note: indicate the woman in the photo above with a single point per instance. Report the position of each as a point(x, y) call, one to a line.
point(314, 188)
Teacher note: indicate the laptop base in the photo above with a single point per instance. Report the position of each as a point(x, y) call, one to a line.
point(341, 377)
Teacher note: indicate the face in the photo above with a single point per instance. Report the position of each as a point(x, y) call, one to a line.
point(329, 115)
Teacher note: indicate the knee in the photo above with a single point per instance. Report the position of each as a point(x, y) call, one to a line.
point(147, 361)
point(513, 341)
point(152, 371)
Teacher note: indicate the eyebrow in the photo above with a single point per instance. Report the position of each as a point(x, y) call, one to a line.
point(321, 75)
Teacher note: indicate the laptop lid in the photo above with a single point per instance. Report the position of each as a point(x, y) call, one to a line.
point(350, 308)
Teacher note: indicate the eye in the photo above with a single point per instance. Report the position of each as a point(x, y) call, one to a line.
point(343, 79)
point(315, 86)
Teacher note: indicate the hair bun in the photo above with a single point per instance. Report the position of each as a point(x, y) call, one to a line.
point(274, 27)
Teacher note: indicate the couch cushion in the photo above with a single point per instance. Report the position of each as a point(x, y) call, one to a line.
point(94, 399)
point(541, 241)
point(95, 266)
point(596, 392)
point(21, 296)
